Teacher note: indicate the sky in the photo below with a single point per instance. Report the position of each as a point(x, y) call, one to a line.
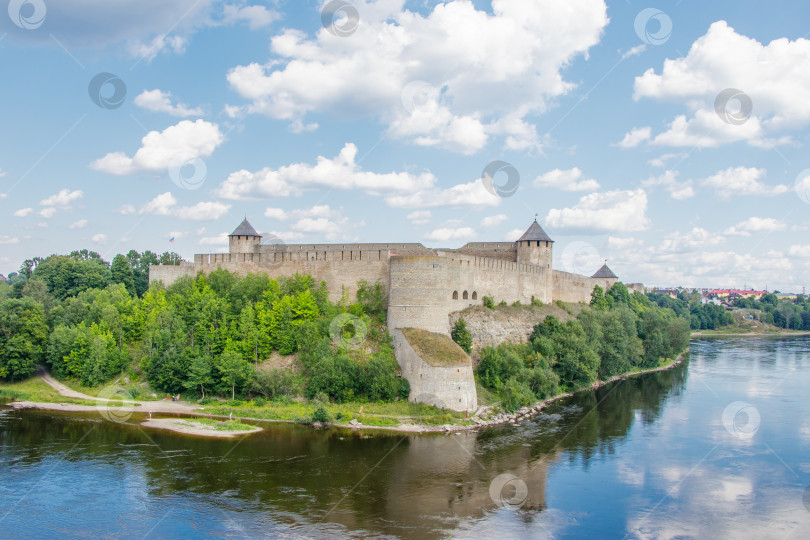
point(666, 138)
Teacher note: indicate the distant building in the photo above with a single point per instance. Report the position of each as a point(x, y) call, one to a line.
point(732, 294)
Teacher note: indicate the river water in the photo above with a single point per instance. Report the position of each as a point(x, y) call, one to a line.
point(718, 447)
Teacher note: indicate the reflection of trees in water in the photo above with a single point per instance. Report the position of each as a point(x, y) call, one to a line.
point(388, 484)
point(605, 416)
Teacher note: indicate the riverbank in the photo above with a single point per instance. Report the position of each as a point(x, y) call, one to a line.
point(476, 421)
point(749, 333)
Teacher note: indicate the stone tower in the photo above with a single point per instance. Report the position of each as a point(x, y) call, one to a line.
point(606, 276)
point(244, 239)
point(534, 247)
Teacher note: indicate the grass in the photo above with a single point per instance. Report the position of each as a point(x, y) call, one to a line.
point(374, 414)
point(220, 425)
point(35, 389)
point(436, 349)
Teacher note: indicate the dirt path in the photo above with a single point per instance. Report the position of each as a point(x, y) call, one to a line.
point(143, 406)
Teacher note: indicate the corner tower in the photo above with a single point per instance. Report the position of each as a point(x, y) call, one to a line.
point(534, 247)
point(244, 239)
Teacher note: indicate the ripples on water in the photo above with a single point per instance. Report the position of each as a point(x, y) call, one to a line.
point(648, 457)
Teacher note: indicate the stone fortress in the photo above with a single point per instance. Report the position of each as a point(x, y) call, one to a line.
point(424, 287)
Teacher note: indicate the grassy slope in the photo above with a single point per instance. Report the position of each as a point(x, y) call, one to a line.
point(436, 349)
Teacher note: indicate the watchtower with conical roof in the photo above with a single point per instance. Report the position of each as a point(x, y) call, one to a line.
point(535, 247)
point(244, 239)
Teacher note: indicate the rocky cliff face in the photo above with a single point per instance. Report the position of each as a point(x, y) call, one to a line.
point(511, 324)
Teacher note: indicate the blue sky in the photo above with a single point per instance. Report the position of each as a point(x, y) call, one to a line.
point(665, 137)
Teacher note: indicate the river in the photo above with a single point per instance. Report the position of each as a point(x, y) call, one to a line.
point(718, 447)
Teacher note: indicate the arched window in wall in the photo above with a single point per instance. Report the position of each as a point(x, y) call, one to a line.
point(455, 295)
point(475, 295)
point(466, 296)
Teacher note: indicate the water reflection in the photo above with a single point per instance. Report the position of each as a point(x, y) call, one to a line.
point(645, 457)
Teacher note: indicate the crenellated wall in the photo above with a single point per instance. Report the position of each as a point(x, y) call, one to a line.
point(339, 274)
point(425, 290)
point(575, 288)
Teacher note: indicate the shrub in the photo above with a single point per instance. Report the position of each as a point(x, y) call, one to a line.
point(321, 415)
point(404, 388)
point(489, 302)
point(461, 335)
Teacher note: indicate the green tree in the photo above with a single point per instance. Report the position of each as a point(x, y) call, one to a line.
point(121, 272)
point(233, 368)
point(598, 300)
point(200, 374)
point(23, 335)
point(462, 335)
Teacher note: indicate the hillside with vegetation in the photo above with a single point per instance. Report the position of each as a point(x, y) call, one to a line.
point(618, 333)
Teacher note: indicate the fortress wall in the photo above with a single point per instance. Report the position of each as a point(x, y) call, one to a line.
point(575, 288)
point(408, 247)
point(571, 287)
point(337, 273)
point(494, 250)
point(422, 288)
point(636, 287)
point(451, 387)
point(168, 274)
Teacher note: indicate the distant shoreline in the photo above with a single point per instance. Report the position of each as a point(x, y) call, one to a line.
point(781, 333)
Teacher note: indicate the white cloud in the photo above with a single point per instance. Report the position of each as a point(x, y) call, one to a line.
point(47, 213)
point(678, 242)
point(471, 194)
point(23, 212)
point(617, 211)
point(448, 233)
point(635, 136)
point(219, 240)
point(493, 221)
point(5, 240)
point(254, 16)
point(623, 243)
point(81, 224)
point(513, 235)
point(100, 239)
point(756, 224)
point(661, 161)
point(125, 210)
point(668, 180)
point(166, 205)
point(569, 180)
point(144, 27)
point(742, 181)
point(322, 220)
point(159, 101)
point(173, 146)
point(340, 172)
point(402, 189)
point(800, 250)
point(63, 200)
point(419, 217)
point(723, 59)
point(452, 78)
point(275, 213)
point(2, 173)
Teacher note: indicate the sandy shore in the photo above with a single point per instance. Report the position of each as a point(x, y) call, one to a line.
point(188, 426)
